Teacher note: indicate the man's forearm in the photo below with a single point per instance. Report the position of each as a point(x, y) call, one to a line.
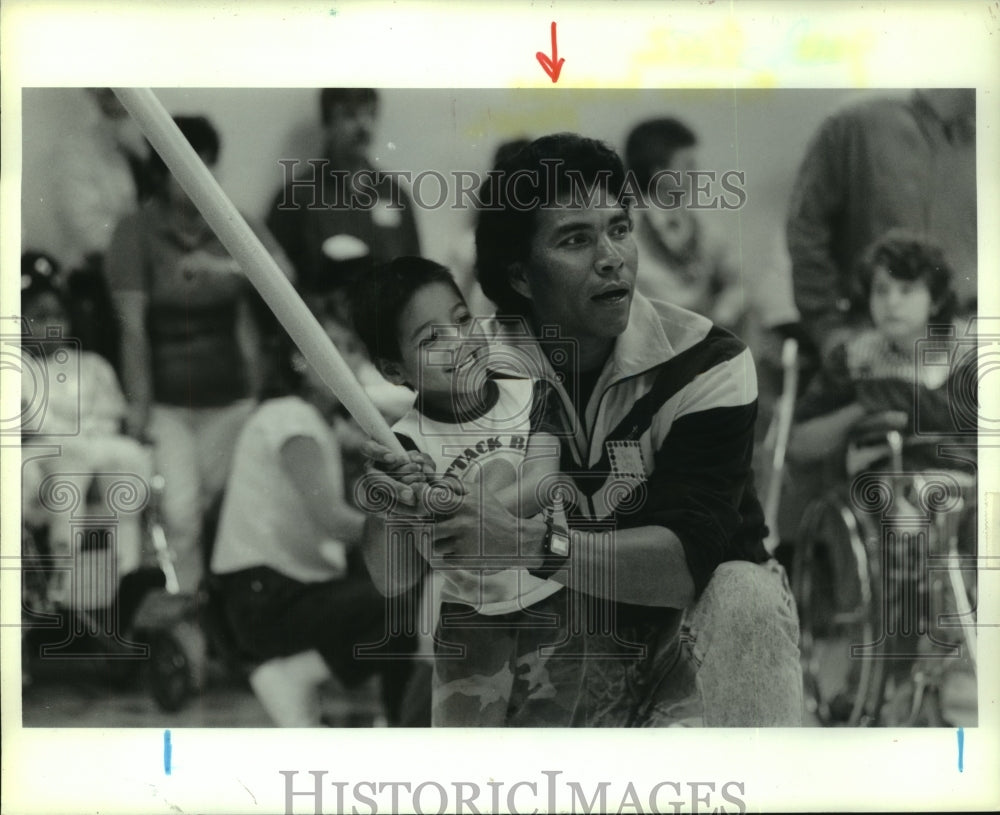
point(643, 566)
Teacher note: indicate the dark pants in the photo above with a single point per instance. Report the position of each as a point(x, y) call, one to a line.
point(272, 615)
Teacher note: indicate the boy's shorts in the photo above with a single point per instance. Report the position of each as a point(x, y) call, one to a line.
point(493, 671)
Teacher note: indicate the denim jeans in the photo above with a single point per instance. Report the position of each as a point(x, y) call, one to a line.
point(734, 662)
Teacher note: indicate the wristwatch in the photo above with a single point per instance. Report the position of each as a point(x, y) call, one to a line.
point(555, 544)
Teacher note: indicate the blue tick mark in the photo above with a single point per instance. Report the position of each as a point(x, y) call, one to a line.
point(961, 748)
point(167, 750)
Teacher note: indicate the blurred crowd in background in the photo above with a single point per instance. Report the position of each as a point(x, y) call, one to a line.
point(178, 362)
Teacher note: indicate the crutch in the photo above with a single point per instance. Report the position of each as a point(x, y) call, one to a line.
point(781, 425)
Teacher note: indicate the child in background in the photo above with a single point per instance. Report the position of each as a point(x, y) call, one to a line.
point(906, 282)
point(490, 433)
point(881, 377)
point(70, 399)
point(283, 553)
point(681, 260)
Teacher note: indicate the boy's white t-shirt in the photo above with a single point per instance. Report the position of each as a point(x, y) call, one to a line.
point(486, 453)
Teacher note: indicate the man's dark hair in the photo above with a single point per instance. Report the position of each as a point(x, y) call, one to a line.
point(907, 255)
point(201, 135)
point(377, 300)
point(650, 147)
point(523, 181)
point(330, 97)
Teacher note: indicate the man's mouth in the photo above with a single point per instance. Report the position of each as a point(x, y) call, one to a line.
point(612, 294)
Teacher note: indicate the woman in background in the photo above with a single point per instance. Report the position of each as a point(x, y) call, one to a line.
point(191, 357)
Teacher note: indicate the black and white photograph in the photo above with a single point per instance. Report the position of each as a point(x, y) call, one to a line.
point(351, 415)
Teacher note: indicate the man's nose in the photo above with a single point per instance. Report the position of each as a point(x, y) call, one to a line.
point(610, 257)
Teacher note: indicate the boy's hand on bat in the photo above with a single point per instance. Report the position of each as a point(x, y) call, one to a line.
point(409, 468)
point(407, 475)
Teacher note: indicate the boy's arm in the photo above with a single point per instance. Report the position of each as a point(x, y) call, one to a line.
point(396, 559)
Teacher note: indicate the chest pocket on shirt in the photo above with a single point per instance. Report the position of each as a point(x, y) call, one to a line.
point(624, 487)
point(626, 459)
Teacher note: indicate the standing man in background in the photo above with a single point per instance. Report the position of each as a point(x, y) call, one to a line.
point(881, 164)
point(339, 215)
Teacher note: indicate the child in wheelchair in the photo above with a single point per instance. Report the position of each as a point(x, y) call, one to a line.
point(883, 419)
point(76, 462)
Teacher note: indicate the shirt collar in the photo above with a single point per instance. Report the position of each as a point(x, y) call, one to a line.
point(641, 346)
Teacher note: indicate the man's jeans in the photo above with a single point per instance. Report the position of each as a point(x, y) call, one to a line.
point(733, 663)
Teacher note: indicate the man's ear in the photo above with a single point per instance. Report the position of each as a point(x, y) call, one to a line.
point(517, 276)
point(392, 371)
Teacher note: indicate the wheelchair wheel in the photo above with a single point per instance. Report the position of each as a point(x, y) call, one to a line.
point(174, 667)
point(837, 584)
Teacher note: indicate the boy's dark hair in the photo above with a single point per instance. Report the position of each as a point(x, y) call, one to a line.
point(378, 299)
point(650, 147)
point(329, 97)
point(523, 181)
point(201, 135)
point(908, 256)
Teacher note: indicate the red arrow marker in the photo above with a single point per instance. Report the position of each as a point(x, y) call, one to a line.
point(552, 66)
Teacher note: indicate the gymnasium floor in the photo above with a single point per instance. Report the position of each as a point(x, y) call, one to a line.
point(80, 693)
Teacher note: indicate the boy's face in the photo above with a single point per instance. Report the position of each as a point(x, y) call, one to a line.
point(580, 273)
point(900, 309)
point(440, 356)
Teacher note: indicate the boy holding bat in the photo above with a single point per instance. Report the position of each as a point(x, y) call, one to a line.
point(482, 431)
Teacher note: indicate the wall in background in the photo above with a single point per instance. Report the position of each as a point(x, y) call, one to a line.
point(761, 132)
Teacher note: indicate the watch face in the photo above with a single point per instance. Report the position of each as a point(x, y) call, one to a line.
point(559, 544)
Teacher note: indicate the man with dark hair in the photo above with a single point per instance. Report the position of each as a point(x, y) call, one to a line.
point(339, 216)
point(681, 259)
point(674, 611)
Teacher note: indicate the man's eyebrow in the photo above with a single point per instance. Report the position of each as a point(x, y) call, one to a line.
point(571, 226)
